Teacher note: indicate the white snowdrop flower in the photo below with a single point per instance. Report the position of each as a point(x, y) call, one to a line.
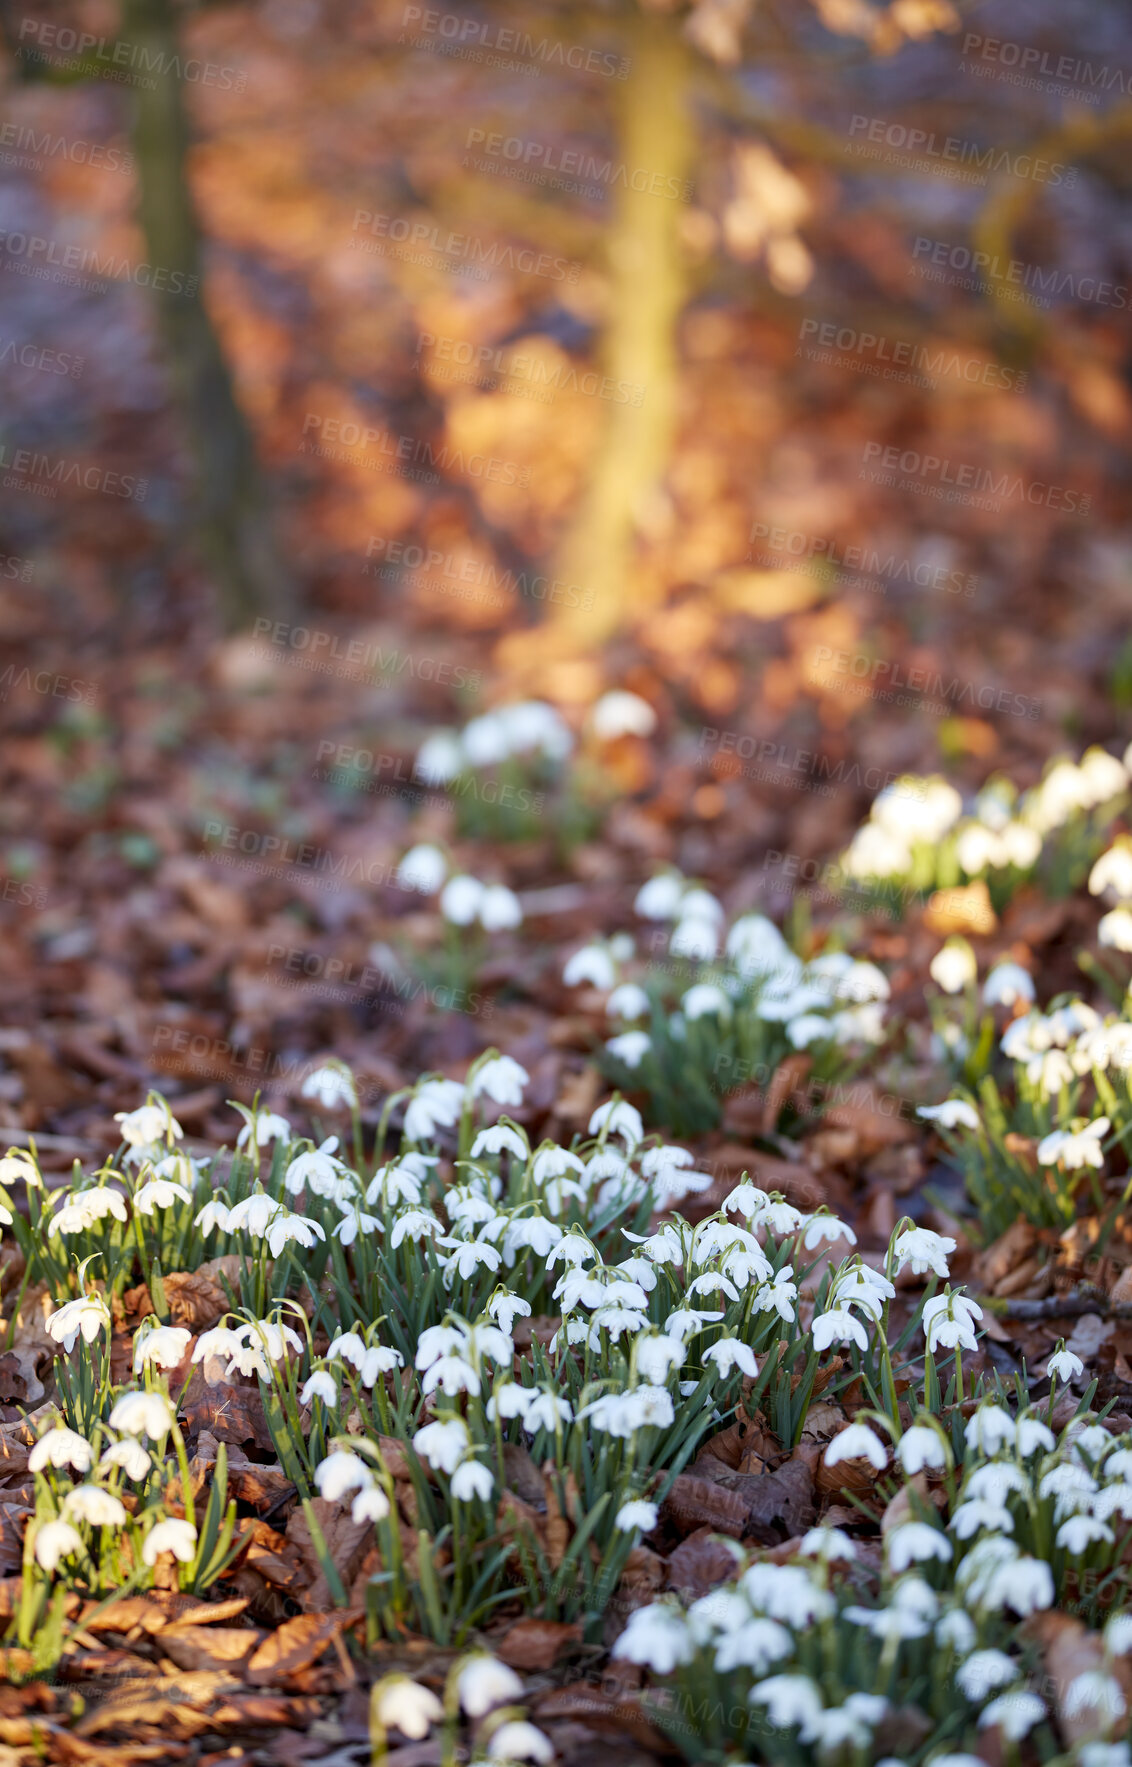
point(630, 1047)
point(499, 908)
point(857, 1442)
point(753, 1644)
point(919, 1250)
point(697, 938)
point(1050, 1072)
point(86, 1316)
point(592, 964)
point(858, 1024)
point(159, 1193)
point(659, 898)
point(286, 1227)
point(61, 1447)
point(954, 1113)
point(401, 1704)
point(827, 1543)
point(838, 1327)
point(948, 1320)
point(628, 1001)
point(55, 1541)
point(704, 1000)
point(996, 1480)
point(214, 1214)
point(501, 1138)
point(269, 1126)
point(1080, 1532)
point(1094, 1691)
point(1115, 929)
point(617, 1117)
point(220, 1341)
point(1102, 776)
point(143, 1414)
point(443, 1443)
point(505, 1308)
point(991, 1427)
point(1113, 871)
point(862, 983)
point(472, 1480)
point(468, 1257)
point(1020, 845)
point(1118, 1635)
point(1087, 1438)
point(393, 1184)
point(921, 1447)
point(730, 1353)
point(96, 1507)
point(620, 713)
point(809, 1028)
point(440, 759)
point(461, 899)
point(1063, 1365)
point(954, 966)
point(957, 1632)
point(340, 1473)
point(978, 847)
point(1104, 1754)
point(787, 1593)
point(320, 1385)
point(83, 1208)
point(637, 1513)
point(825, 1230)
point(517, 1740)
point(980, 1514)
point(487, 739)
point(1074, 1149)
point(436, 1104)
point(914, 1543)
point(877, 852)
point(509, 1400)
point(779, 1296)
point(332, 1087)
point(18, 1165)
point(756, 947)
point(501, 1079)
point(530, 1233)
point(423, 868)
point(789, 1700)
point(1015, 1713)
point(148, 1125)
point(483, 1682)
point(700, 904)
point(370, 1505)
point(657, 1637)
point(164, 1345)
point(983, 1672)
point(547, 1412)
point(1007, 984)
point(319, 1172)
point(779, 1218)
point(172, 1535)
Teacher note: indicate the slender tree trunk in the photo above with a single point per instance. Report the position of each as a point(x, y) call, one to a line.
point(232, 522)
point(647, 293)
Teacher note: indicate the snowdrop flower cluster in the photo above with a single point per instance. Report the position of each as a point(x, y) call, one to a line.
point(749, 991)
point(464, 899)
point(529, 727)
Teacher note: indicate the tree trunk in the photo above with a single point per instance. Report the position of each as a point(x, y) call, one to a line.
point(647, 293)
point(232, 522)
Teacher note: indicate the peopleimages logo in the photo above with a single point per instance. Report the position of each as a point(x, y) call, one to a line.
point(1014, 277)
point(21, 144)
point(29, 254)
point(966, 161)
point(425, 243)
point(854, 565)
point(499, 45)
point(39, 356)
point(527, 377)
point(947, 476)
point(1036, 70)
point(899, 359)
point(569, 168)
point(42, 474)
point(400, 454)
point(115, 59)
point(357, 659)
point(891, 682)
